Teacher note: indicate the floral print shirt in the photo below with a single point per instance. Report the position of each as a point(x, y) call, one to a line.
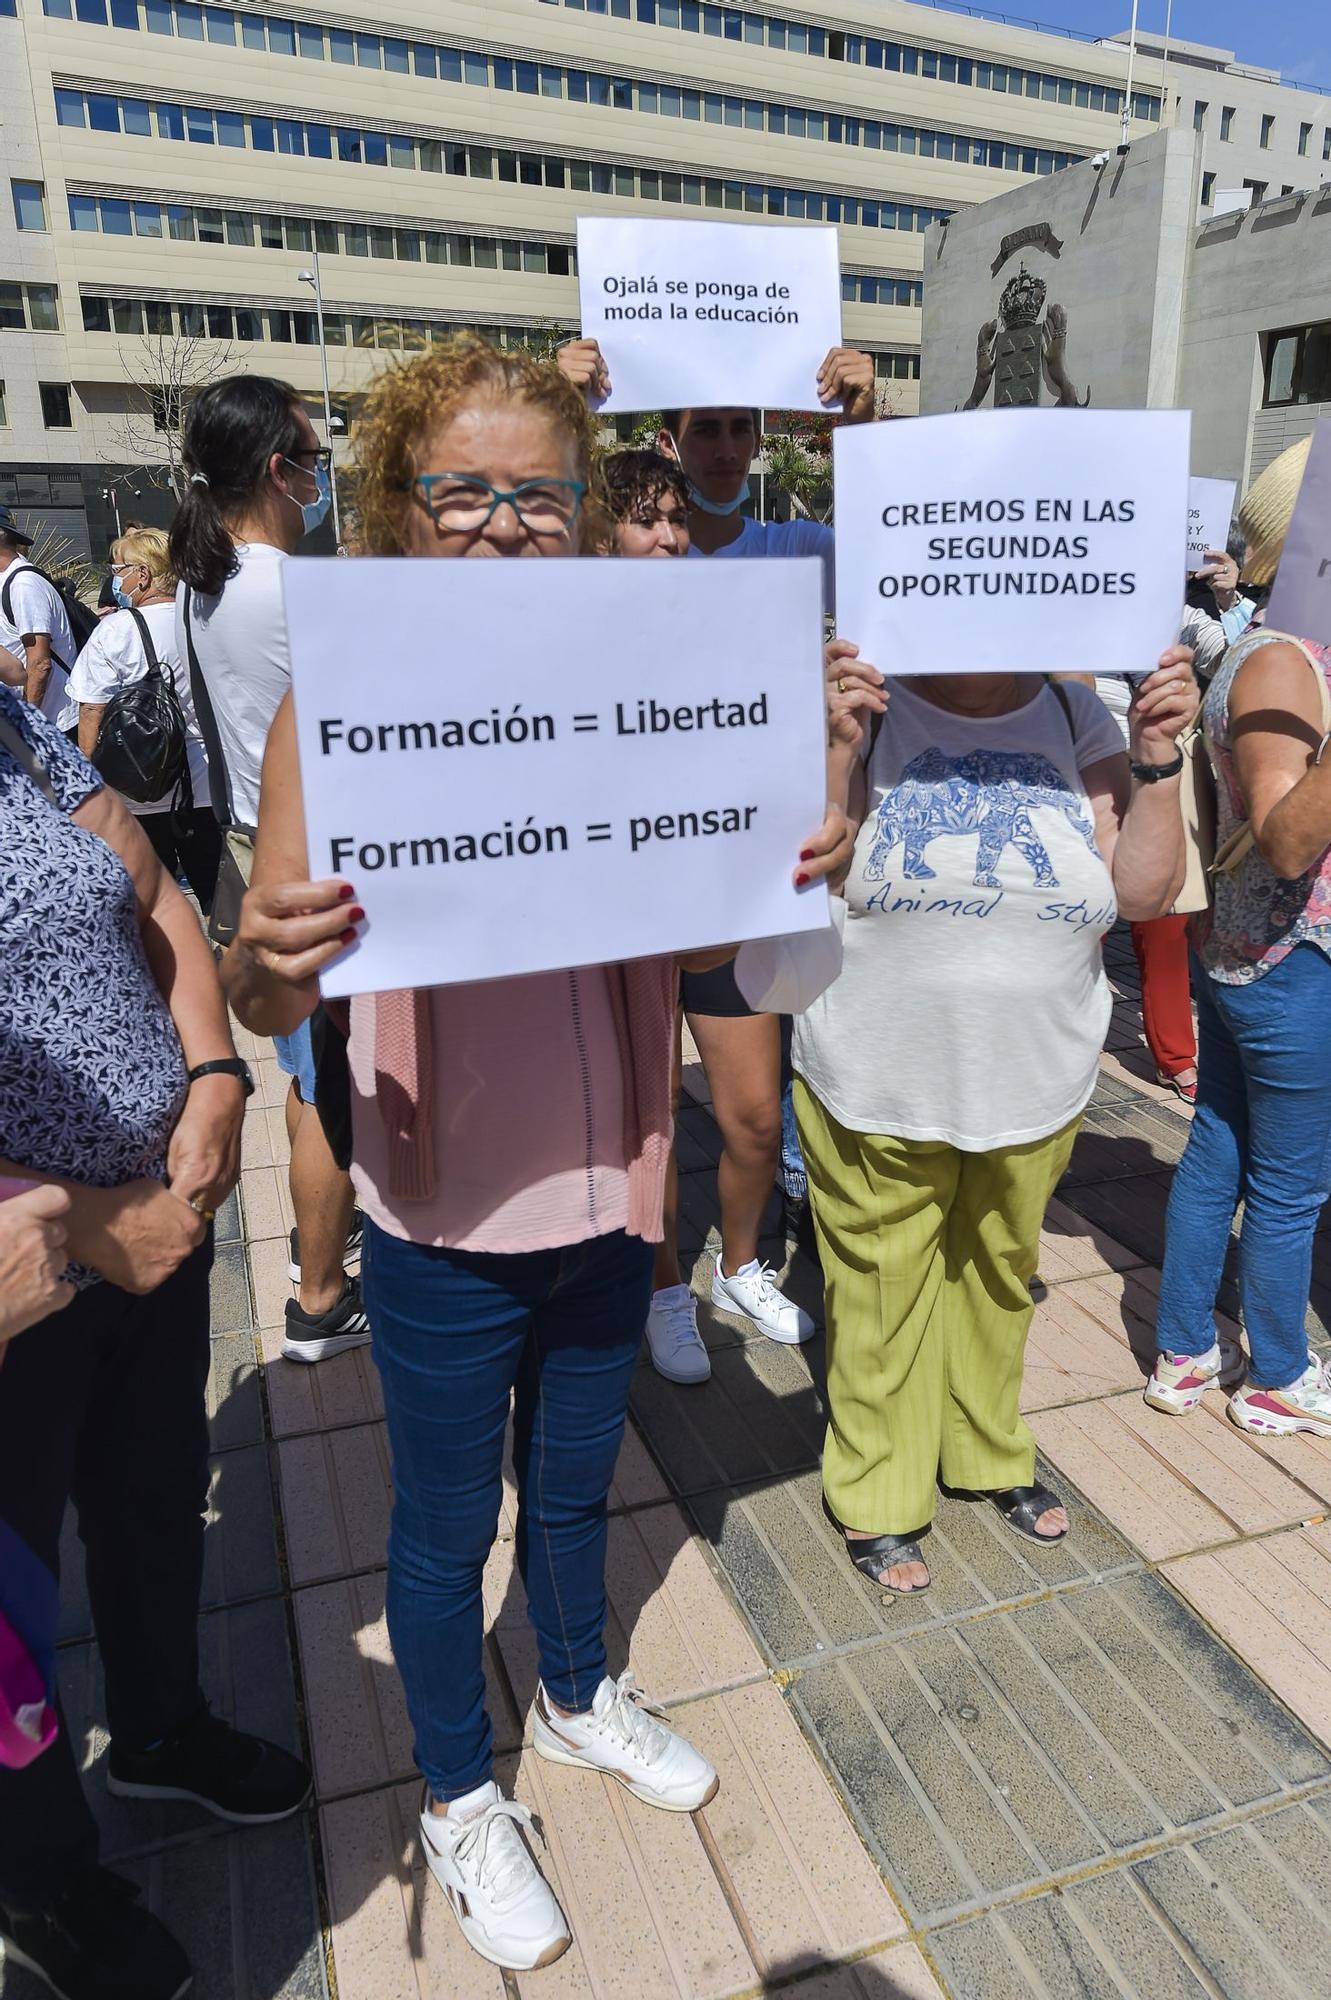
point(1257, 919)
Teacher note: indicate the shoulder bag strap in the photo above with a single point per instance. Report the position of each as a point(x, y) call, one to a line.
point(150, 651)
point(218, 774)
point(27, 760)
point(7, 604)
point(1065, 704)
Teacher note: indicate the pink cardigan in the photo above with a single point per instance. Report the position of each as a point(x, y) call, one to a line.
point(643, 998)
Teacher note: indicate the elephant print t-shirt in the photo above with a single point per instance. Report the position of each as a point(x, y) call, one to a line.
point(973, 1003)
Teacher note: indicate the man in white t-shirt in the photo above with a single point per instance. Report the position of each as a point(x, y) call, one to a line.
point(36, 632)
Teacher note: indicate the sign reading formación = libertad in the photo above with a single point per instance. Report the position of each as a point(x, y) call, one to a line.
point(559, 762)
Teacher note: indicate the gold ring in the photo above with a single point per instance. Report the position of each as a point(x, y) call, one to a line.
point(841, 687)
point(208, 1214)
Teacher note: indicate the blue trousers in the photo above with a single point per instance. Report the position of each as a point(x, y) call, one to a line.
point(1261, 1134)
point(456, 1335)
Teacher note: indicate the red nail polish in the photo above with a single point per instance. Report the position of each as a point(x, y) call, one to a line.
point(806, 854)
point(347, 937)
point(356, 916)
point(801, 879)
point(345, 893)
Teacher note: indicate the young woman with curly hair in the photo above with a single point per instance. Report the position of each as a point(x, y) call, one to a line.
point(510, 1146)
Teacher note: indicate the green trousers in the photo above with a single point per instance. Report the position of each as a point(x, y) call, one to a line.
point(928, 1254)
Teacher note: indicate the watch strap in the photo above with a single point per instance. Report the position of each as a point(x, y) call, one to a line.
point(1151, 774)
point(225, 1066)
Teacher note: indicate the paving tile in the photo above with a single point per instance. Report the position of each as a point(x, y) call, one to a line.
point(271, 1277)
point(230, 1294)
point(1072, 1247)
point(1088, 1338)
point(279, 1146)
point(245, 1668)
point(342, 1390)
point(985, 1758)
point(761, 1413)
point(260, 1191)
point(1170, 1484)
point(235, 1405)
point(789, 1569)
point(897, 1973)
point(336, 1502)
point(226, 1222)
point(1131, 1210)
point(256, 1146)
point(669, 1614)
point(1272, 1601)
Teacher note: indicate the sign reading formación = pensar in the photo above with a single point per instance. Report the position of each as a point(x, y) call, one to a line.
point(643, 784)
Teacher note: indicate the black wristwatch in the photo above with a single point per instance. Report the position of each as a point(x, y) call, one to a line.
point(228, 1066)
point(1151, 774)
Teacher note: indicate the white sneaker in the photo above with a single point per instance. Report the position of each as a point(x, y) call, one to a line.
point(618, 1735)
point(505, 1908)
point(752, 1291)
point(1179, 1381)
point(672, 1336)
point(1304, 1406)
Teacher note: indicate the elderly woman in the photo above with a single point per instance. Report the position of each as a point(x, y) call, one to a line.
point(941, 1080)
point(509, 1149)
point(1262, 1129)
point(186, 838)
point(120, 1090)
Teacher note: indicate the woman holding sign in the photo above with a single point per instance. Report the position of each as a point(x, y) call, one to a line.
point(510, 1146)
point(941, 1080)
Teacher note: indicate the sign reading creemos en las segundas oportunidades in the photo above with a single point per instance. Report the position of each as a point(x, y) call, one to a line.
point(556, 763)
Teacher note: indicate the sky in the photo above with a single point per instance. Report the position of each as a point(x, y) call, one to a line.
point(1293, 36)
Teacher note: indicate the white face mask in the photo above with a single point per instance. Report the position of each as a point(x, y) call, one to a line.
point(700, 500)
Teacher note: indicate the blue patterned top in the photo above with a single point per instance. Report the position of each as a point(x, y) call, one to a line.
point(92, 1076)
point(1257, 918)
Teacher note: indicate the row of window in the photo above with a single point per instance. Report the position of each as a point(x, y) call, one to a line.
point(1201, 107)
point(882, 291)
point(201, 321)
point(35, 307)
point(136, 117)
point(735, 24)
point(1298, 366)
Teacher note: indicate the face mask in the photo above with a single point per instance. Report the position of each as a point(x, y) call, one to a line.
point(313, 511)
point(699, 499)
point(121, 595)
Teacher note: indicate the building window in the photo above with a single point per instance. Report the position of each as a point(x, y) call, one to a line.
point(43, 308)
point(56, 412)
point(29, 204)
point(1268, 127)
point(1226, 120)
point(1326, 143)
point(1305, 134)
point(1298, 366)
point(1208, 189)
point(1199, 110)
point(4, 413)
point(1257, 189)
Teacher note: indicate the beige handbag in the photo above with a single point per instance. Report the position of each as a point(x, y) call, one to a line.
point(1197, 797)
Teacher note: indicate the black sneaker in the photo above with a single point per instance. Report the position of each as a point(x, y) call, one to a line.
point(351, 1255)
point(95, 1942)
point(316, 1336)
point(237, 1777)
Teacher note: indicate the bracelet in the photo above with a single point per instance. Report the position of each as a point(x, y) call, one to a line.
point(1151, 774)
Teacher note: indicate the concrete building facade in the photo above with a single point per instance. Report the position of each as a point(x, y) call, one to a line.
point(173, 166)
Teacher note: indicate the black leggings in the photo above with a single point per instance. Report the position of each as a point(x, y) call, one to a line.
point(188, 844)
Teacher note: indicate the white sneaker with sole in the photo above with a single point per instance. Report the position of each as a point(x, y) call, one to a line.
point(672, 1336)
point(621, 1736)
point(505, 1908)
point(1179, 1381)
point(752, 1292)
point(1304, 1406)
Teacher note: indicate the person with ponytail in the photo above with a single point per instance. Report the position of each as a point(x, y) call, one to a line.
point(258, 485)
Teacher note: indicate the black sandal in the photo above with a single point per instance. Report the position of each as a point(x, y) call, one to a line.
point(866, 1555)
point(1022, 1506)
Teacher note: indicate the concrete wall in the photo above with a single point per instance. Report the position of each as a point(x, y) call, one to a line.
point(1120, 275)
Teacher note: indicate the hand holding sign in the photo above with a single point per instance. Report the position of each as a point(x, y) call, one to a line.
point(1210, 508)
point(707, 314)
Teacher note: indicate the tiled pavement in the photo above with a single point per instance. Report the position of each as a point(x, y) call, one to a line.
point(1098, 1770)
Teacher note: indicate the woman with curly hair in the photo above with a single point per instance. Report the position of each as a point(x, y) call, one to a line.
point(510, 1141)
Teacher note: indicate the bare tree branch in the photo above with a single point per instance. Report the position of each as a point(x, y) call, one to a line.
point(165, 371)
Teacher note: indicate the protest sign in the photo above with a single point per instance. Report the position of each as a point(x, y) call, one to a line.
point(1300, 601)
point(699, 314)
point(1210, 511)
point(556, 763)
point(1029, 541)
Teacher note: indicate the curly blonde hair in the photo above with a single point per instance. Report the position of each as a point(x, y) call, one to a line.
point(413, 400)
point(150, 547)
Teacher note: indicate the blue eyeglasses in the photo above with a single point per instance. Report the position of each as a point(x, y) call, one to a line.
point(463, 503)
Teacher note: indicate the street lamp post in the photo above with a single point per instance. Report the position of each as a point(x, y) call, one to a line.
point(313, 278)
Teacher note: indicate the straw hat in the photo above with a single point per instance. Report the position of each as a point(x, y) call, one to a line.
point(1267, 508)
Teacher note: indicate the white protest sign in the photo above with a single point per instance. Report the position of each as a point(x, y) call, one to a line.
point(1032, 541)
point(1210, 511)
point(1300, 600)
point(700, 314)
point(558, 762)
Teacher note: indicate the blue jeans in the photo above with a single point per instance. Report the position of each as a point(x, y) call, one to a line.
point(1261, 1134)
point(455, 1333)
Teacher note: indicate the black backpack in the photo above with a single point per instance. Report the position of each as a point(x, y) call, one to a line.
point(141, 744)
point(82, 622)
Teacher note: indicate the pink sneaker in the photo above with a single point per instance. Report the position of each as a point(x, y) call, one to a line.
point(1179, 1381)
point(1304, 1406)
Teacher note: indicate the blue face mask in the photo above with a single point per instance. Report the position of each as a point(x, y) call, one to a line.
point(699, 499)
point(313, 511)
point(121, 595)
